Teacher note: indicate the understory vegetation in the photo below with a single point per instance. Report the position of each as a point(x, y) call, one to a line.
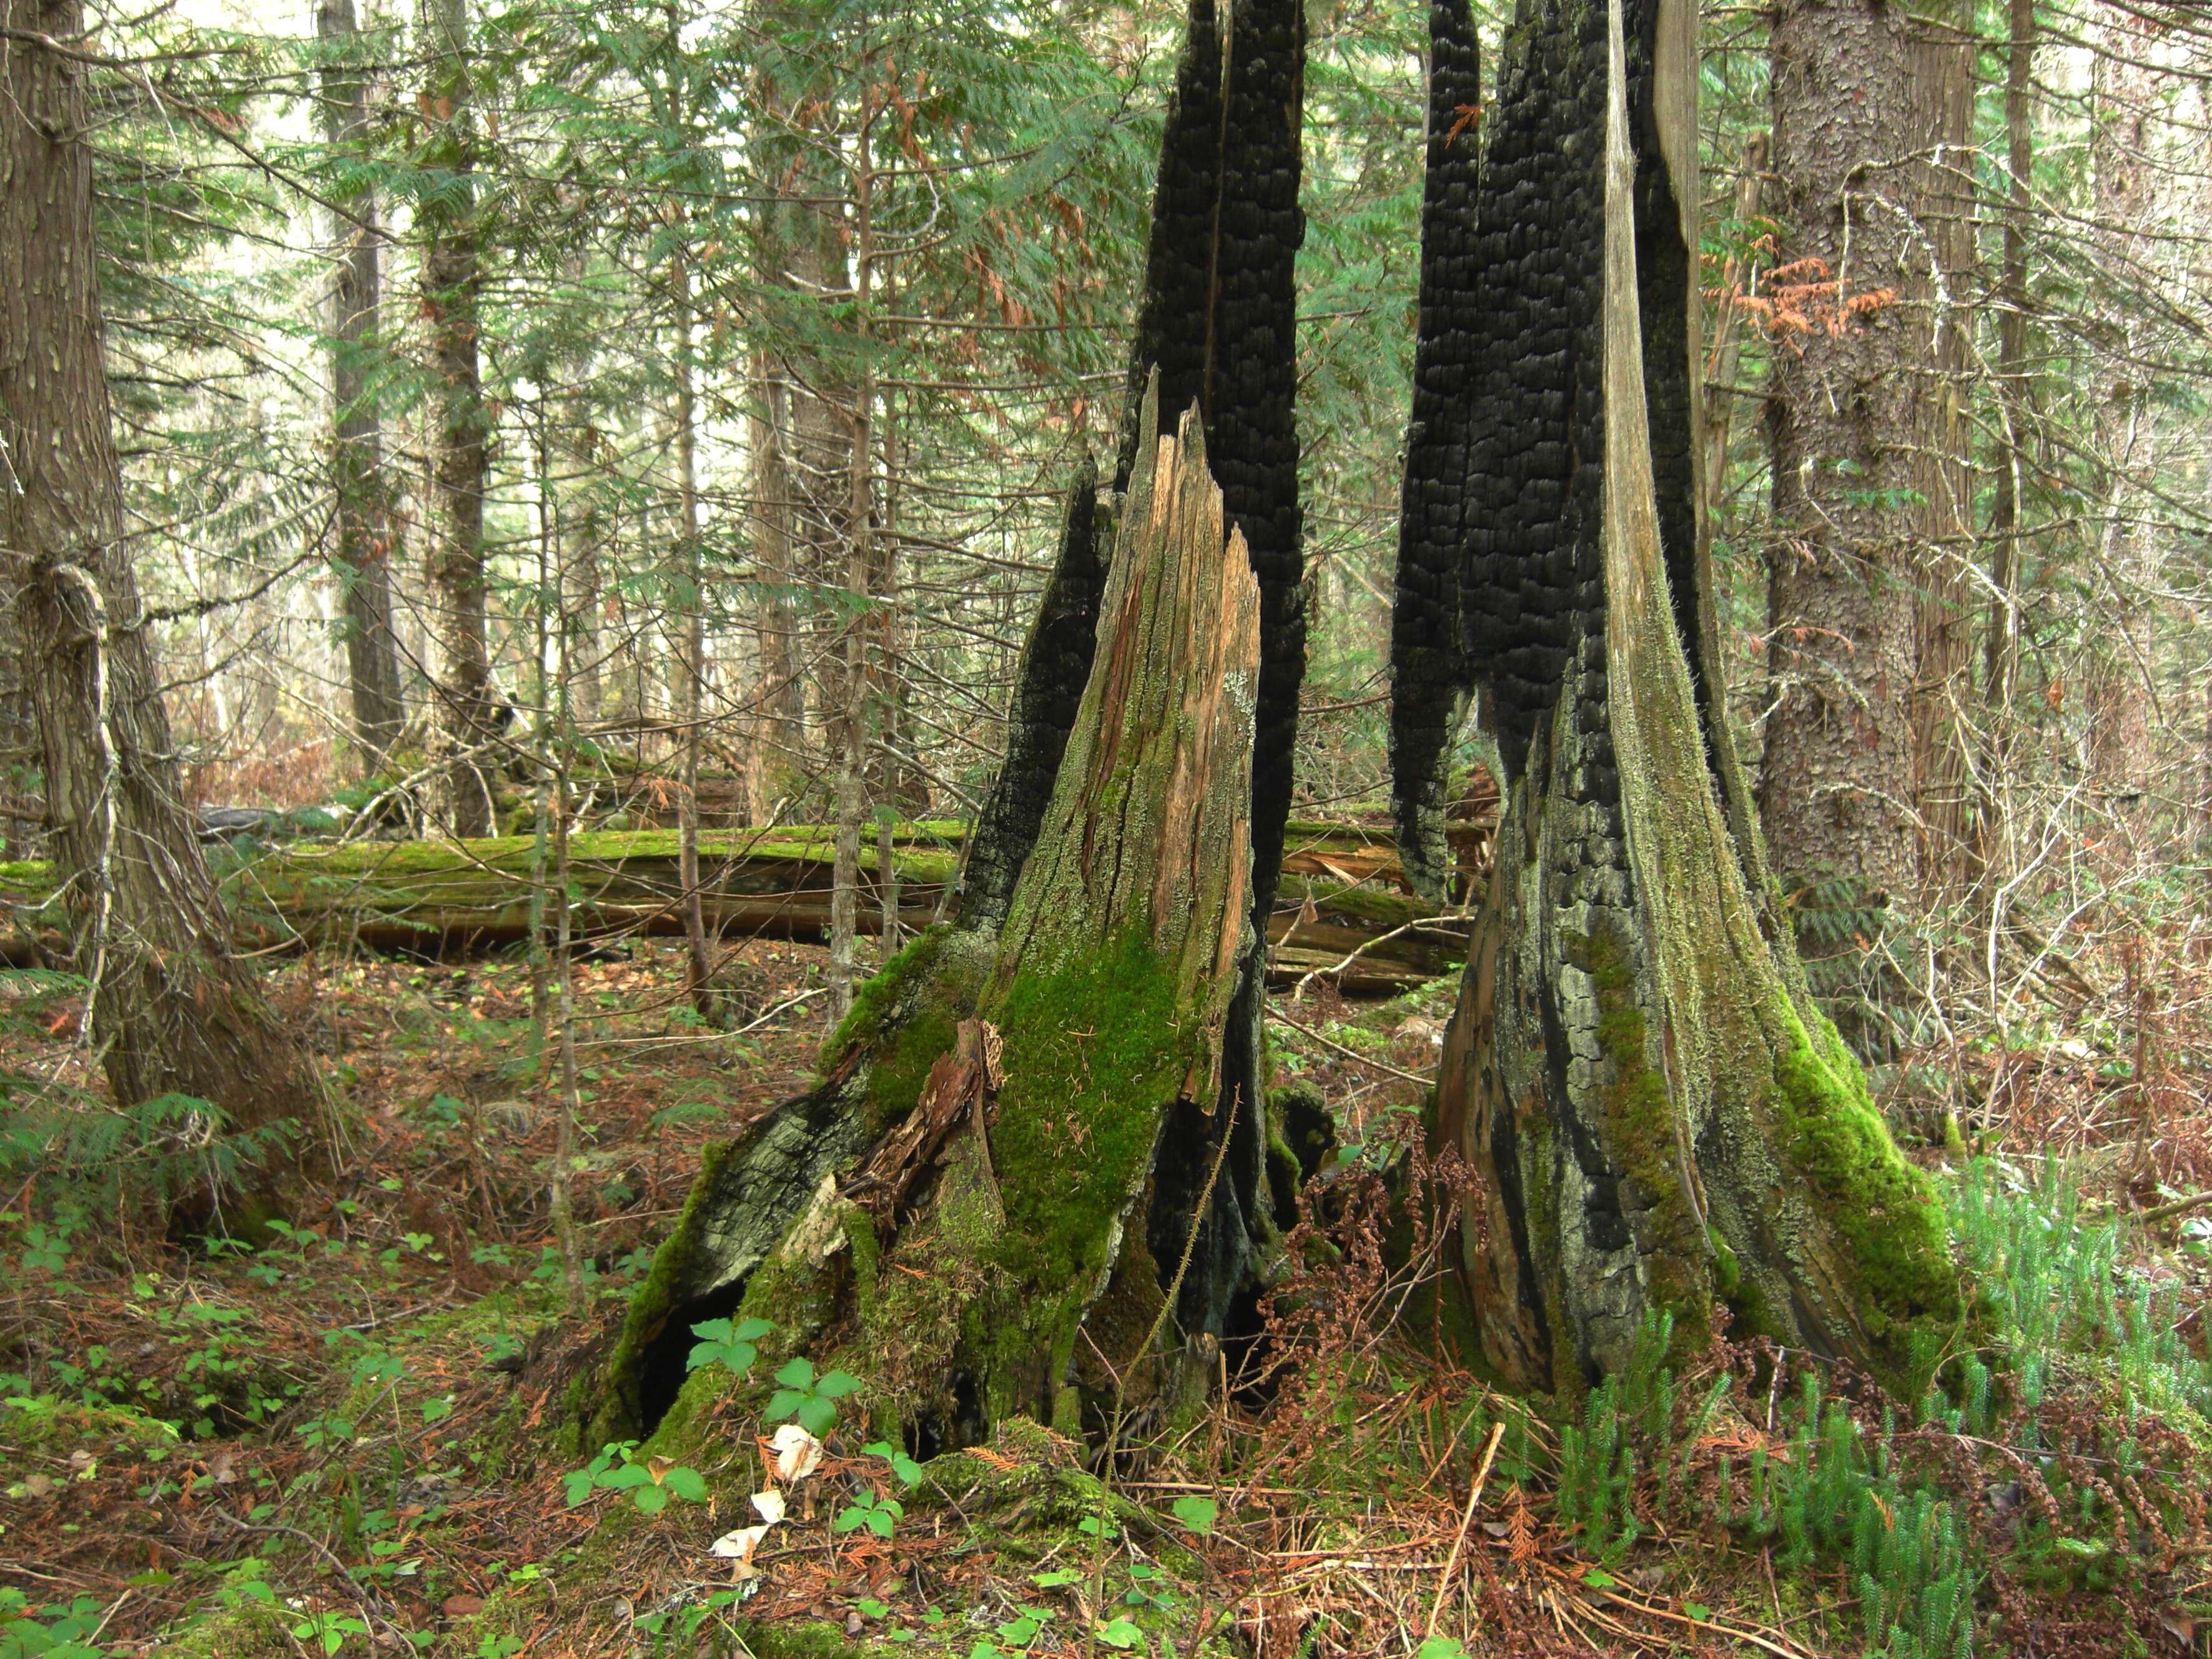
point(345, 1437)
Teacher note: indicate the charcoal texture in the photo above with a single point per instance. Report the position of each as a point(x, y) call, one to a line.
point(1174, 318)
point(1506, 456)
point(1429, 678)
point(1047, 691)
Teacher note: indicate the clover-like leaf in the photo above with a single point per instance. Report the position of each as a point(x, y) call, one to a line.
point(796, 1372)
point(1196, 1513)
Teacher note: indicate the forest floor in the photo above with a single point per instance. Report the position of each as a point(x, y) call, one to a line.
point(342, 1441)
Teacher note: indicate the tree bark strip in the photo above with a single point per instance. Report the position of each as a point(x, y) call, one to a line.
point(453, 280)
point(365, 534)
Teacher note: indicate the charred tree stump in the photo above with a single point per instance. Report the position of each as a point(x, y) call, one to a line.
point(964, 1206)
point(1661, 1118)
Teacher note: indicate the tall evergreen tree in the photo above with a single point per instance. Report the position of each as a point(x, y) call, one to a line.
point(172, 1010)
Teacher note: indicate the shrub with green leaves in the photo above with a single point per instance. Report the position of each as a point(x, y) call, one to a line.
point(650, 1482)
point(812, 1399)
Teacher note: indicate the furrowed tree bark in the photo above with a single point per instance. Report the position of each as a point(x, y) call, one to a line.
point(1660, 1122)
point(1940, 196)
point(1864, 429)
point(967, 1198)
point(364, 536)
point(780, 720)
point(453, 280)
point(2124, 99)
point(171, 1010)
point(691, 601)
point(1428, 684)
point(2015, 406)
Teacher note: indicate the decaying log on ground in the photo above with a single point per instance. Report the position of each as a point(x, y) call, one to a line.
point(448, 899)
point(451, 898)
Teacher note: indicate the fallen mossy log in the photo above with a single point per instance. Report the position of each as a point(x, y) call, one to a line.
point(449, 899)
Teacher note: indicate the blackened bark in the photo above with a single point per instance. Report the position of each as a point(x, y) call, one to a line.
point(1252, 435)
point(1047, 690)
point(1174, 318)
point(1428, 684)
point(365, 536)
point(172, 1009)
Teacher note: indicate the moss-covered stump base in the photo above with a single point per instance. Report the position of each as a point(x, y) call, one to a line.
point(982, 1208)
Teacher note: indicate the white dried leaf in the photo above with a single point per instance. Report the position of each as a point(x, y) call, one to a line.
point(798, 1454)
point(770, 1502)
point(739, 1546)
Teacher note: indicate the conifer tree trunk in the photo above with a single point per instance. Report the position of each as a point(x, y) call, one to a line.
point(1659, 1120)
point(172, 1011)
point(779, 732)
point(2015, 407)
point(2124, 99)
point(452, 282)
point(364, 536)
point(583, 526)
point(1860, 90)
point(689, 593)
point(1940, 195)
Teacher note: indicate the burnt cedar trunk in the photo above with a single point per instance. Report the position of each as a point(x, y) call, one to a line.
point(1147, 1021)
point(1428, 680)
point(1660, 1122)
point(964, 1207)
point(172, 1011)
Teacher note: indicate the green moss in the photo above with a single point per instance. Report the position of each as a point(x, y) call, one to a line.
point(249, 1632)
point(1641, 1133)
point(1726, 1268)
point(907, 1016)
point(1095, 1052)
point(876, 999)
point(1883, 1208)
point(791, 1639)
point(1374, 905)
point(606, 1407)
